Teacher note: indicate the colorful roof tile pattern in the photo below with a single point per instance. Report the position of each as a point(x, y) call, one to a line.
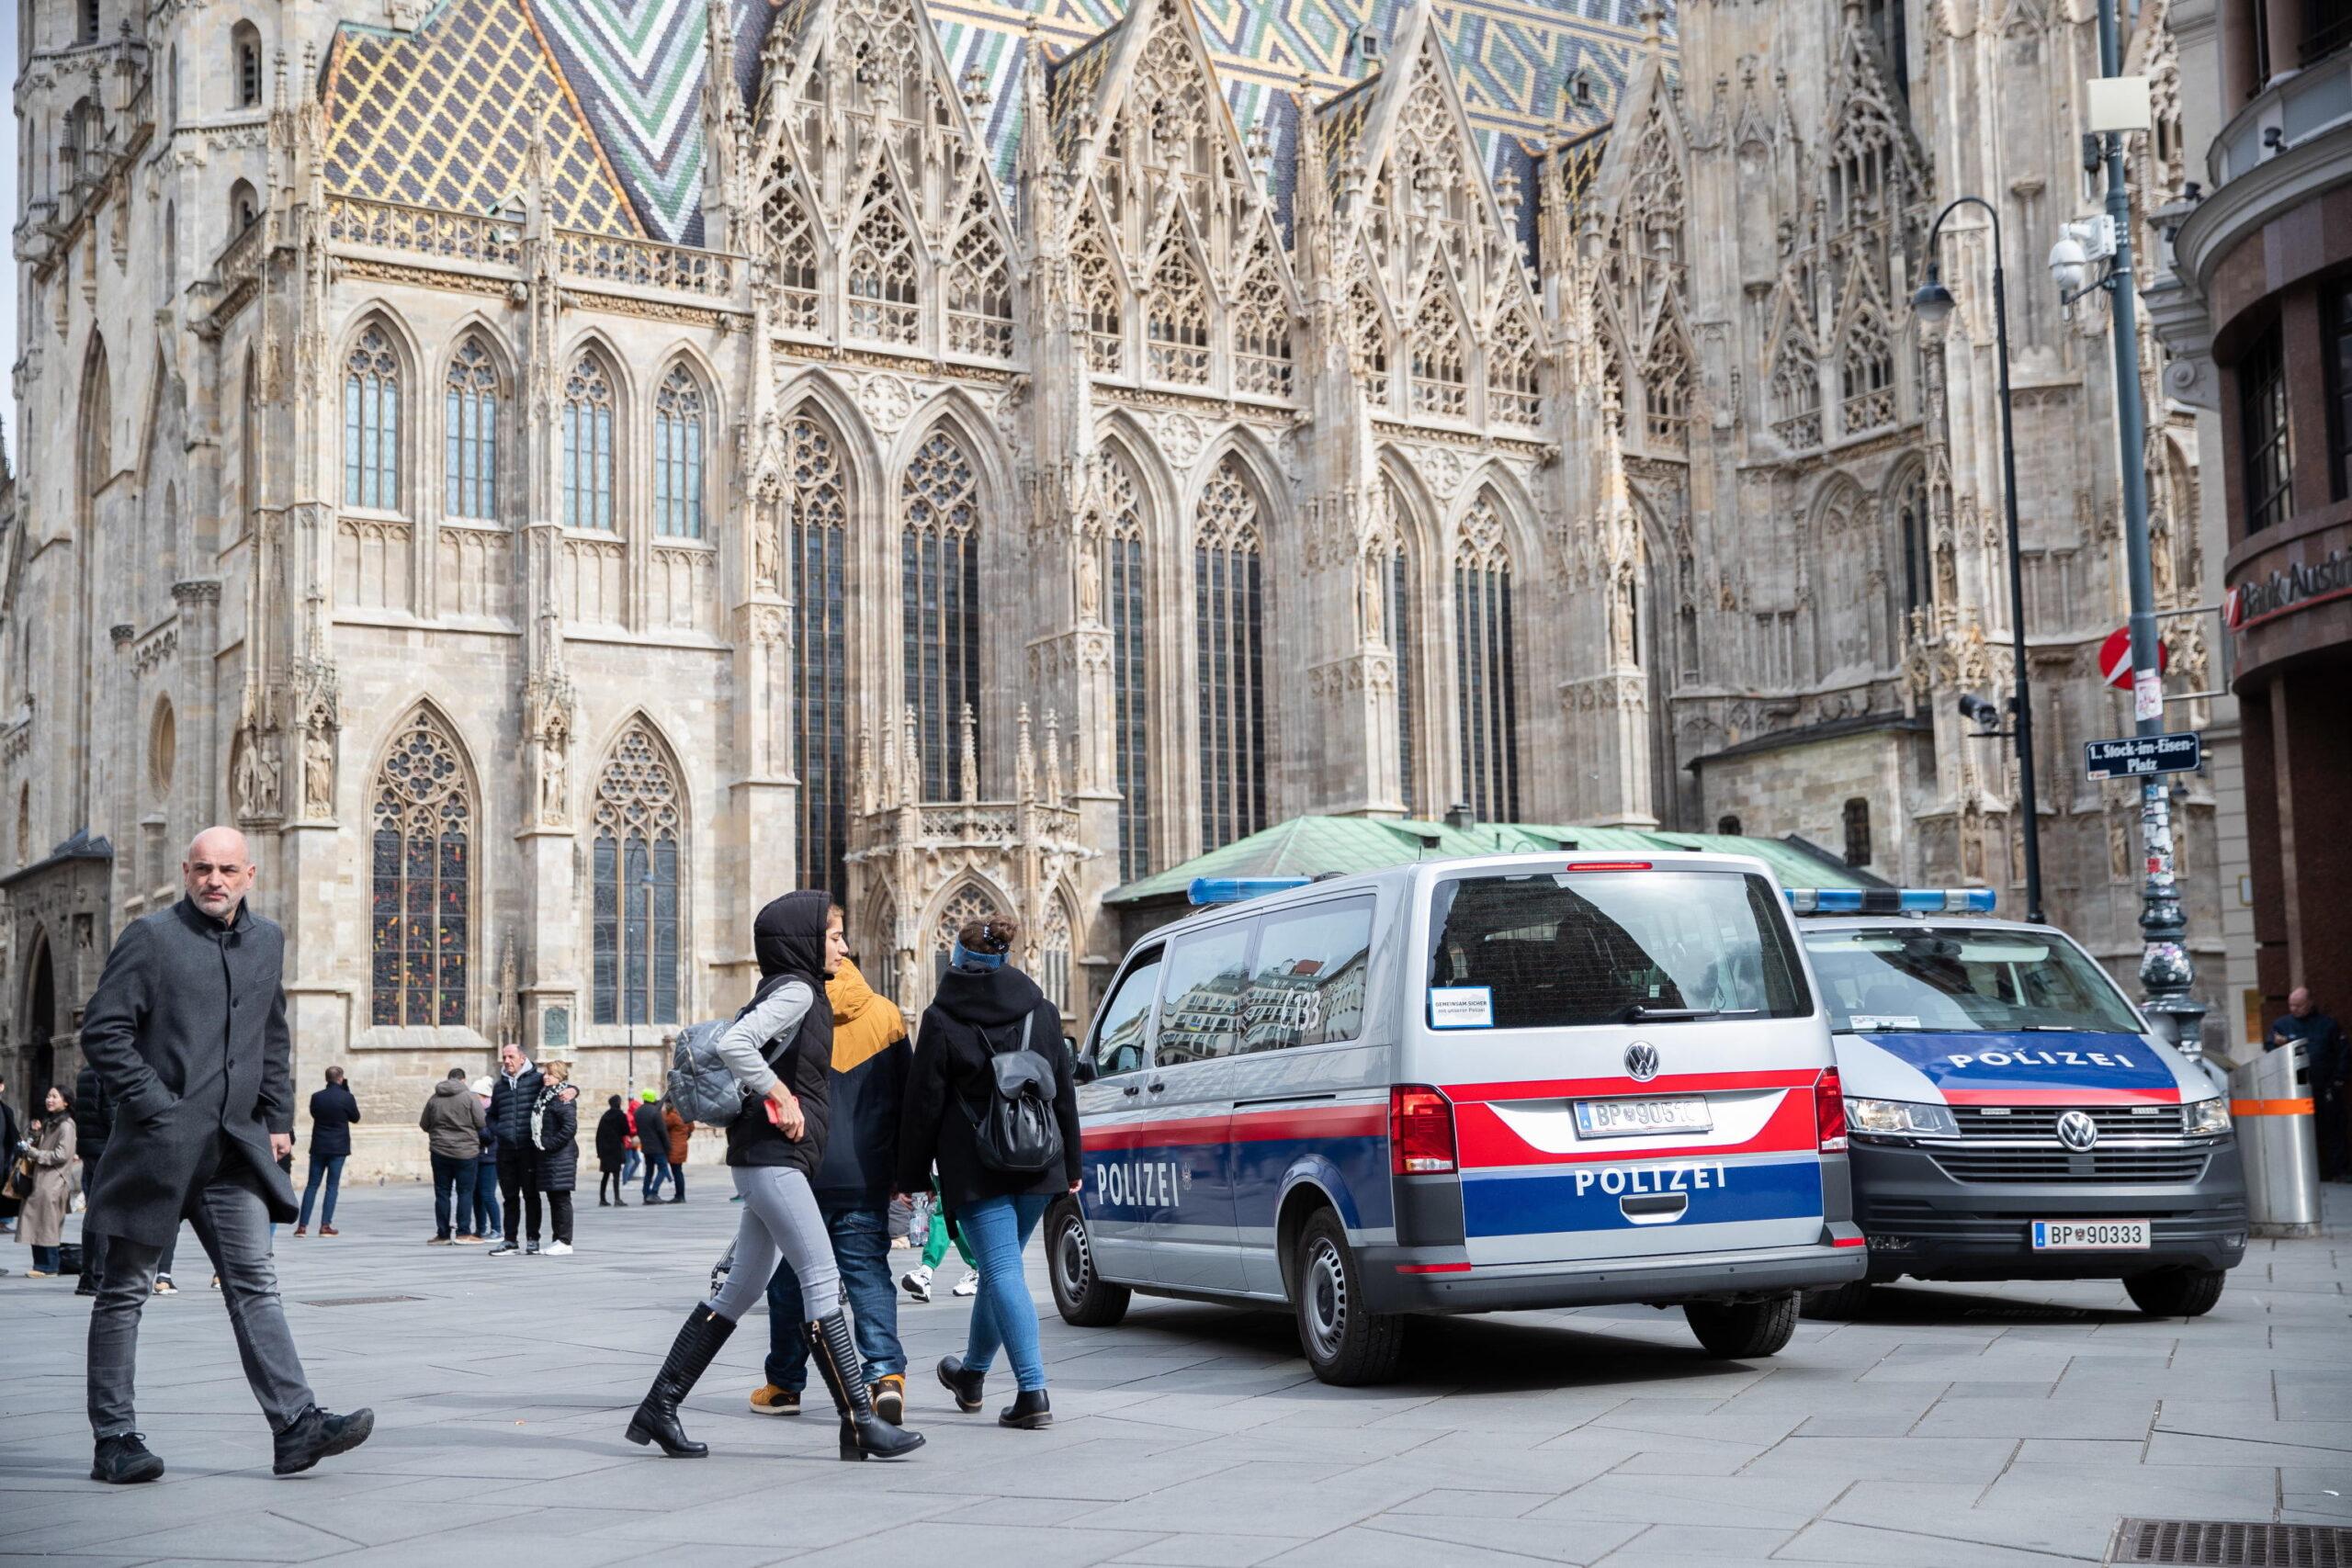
point(638, 67)
point(442, 117)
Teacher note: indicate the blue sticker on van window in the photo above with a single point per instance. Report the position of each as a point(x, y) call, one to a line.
point(2029, 1060)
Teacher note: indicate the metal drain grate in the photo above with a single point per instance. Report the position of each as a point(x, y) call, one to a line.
point(358, 1301)
point(2220, 1543)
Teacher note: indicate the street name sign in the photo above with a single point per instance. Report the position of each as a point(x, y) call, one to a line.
point(2136, 755)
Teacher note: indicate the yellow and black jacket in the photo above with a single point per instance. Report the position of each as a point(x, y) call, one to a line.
point(871, 1059)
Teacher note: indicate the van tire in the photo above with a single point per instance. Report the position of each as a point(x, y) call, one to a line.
point(2175, 1292)
point(1740, 1331)
point(1836, 1303)
point(1345, 1344)
point(1083, 1297)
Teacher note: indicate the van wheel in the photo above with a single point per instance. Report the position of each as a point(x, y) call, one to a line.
point(1836, 1303)
point(1083, 1297)
point(1345, 1343)
point(1739, 1331)
point(2175, 1292)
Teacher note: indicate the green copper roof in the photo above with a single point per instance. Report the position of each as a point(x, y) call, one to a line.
point(1312, 846)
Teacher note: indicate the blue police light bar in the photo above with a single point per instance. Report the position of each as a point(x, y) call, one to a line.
point(1240, 889)
point(1892, 900)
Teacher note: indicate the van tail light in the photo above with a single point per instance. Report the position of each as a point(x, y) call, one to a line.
point(1421, 1131)
point(1829, 1112)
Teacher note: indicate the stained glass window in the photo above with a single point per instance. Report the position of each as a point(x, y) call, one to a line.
point(677, 456)
point(1485, 660)
point(588, 446)
point(816, 542)
point(469, 485)
point(420, 881)
point(940, 587)
point(1124, 609)
point(371, 423)
point(1398, 585)
point(638, 827)
point(1229, 636)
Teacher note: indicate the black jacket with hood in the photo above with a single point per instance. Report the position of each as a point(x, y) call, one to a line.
point(972, 1017)
point(788, 939)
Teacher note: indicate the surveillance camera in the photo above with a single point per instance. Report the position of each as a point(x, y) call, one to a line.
point(1979, 712)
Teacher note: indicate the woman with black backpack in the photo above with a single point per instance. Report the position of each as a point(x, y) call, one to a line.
point(779, 1048)
point(991, 1101)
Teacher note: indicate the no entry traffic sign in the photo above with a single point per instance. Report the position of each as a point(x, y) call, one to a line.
point(2115, 659)
point(2136, 755)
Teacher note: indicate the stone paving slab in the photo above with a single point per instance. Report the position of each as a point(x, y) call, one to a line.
point(2001, 1425)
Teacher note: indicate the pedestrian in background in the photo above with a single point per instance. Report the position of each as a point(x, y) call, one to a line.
point(92, 1122)
point(555, 1138)
point(654, 1141)
point(916, 1281)
point(49, 1146)
point(612, 1150)
point(8, 1206)
point(332, 1111)
point(512, 1096)
point(2327, 1061)
point(865, 1097)
point(984, 1006)
point(452, 1122)
point(482, 1211)
point(680, 1133)
point(629, 1160)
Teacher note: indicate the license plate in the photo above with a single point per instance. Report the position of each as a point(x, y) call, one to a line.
point(1627, 1118)
point(2090, 1235)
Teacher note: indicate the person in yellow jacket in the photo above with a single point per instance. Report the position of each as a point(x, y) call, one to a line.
point(871, 1060)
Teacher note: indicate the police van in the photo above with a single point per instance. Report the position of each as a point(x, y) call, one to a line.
point(1476, 1085)
point(2012, 1116)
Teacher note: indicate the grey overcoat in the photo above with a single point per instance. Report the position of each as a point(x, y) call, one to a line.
point(187, 1031)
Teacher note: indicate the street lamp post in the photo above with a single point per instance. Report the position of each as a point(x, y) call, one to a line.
point(628, 1009)
point(1933, 303)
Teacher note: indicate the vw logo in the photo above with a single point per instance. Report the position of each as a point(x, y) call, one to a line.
point(2077, 1130)
point(1641, 1061)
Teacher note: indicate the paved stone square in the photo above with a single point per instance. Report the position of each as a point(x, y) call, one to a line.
point(1996, 1426)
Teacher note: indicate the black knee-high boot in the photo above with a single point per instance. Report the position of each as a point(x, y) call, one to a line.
point(863, 1434)
point(656, 1420)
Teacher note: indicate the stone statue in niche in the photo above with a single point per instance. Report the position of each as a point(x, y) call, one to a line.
point(1090, 581)
point(1375, 600)
point(510, 1006)
point(256, 779)
point(318, 771)
point(764, 565)
point(553, 782)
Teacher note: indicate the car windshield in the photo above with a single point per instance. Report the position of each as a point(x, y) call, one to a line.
point(1897, 978)
point(1549, 949)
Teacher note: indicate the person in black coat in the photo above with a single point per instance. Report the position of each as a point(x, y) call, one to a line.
point(653, 1143)
point(612, 1150)
point(7, 1140)
point(332, 1111)
point(985, 1006)
point(92, 1121)
point(555, 1137)
point(513, 1095)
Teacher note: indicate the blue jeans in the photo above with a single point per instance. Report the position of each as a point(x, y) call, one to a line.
point(330, 1167)
point(862, 1252)
point(486, 1217)
point(997, 1229)
point(44, 1258)
point(629, 1166)
point(654, 1172)
point(453, 1182)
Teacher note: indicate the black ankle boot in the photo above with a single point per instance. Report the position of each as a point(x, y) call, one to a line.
point(863, 1434)
point(656, 1420)
point(967, 1386)
point(1029, 1411)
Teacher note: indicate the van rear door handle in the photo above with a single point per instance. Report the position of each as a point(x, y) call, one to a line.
point(1156, 1088)
point(1133, 1088)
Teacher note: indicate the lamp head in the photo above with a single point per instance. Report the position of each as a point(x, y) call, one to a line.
point(1979, 712)
point(1932, 303)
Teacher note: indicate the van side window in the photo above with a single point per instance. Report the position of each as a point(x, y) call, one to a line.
point(1207, 973)
point(1122, 1040)
point(1308, 985)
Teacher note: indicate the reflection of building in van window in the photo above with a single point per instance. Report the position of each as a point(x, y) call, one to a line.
point(1303, 1002)
point(1202, 1021)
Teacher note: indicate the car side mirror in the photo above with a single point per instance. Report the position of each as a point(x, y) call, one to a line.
point(1084, 1072)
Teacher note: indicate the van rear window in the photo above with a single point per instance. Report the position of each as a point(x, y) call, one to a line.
point(1551, 949)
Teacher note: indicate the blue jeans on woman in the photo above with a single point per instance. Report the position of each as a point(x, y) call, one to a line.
point(997, 1229)
point(861, 1252)
point(330, 1167)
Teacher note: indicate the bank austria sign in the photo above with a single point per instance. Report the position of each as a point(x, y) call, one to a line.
point(2298, 587)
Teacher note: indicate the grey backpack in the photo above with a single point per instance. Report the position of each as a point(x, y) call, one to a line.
point(701, 1085)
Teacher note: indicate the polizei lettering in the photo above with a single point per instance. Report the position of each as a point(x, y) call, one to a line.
point(1632, 1180)
point(1140, 1183)
point(2044, 1059)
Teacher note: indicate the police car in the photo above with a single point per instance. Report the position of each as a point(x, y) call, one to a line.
point(1472, 1085)
point(2011, 1115)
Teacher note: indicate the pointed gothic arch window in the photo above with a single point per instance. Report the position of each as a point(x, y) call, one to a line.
point(1228, 628)
point(1261, 362)
point(469, 433)
point(939, 567)
point(1795, 394)
point(1394, 564)
point(1368, 343)
point(968, 903)
point(421, 876)
point(879, 955)
point(371, 422)
point(1439, 383)
point(1866, 373)
point(793, 240)
point(637, 854)
point(884, 282)
point(1514, 395)
point(1177, 319)
point(1127, 610)
point(1486, 663)
point(588, 446)
point(1665, 392)
point(816, 551)
point(1097, 293)
point(1053, 955)
point(678, 455)
point(1918, 556)
point(980, 284)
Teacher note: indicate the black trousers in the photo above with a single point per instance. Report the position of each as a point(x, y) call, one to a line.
point(519, 1187)
point(559, 1216)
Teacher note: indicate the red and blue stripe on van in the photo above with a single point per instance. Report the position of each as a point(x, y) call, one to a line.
point(1235, 1165)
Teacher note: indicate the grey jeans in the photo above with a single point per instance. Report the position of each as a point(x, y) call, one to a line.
point(781, 1222)
point(233, 1224)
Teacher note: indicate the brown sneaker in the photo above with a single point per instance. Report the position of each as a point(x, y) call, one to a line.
point(329, 1230)
point(769, 1400)
point(889, 1393)
point(301, 1230)
point(470, 1241)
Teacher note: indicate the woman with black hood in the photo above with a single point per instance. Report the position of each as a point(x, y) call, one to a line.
point(612, 1151)
point(780, 1048)
point(978, 1013)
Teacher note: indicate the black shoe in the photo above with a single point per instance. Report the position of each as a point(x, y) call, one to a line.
point(316, 1435)
point(864, 1435)
point(503, 1249)
point(679, 1199)
point(656, 1420)
point(602, 1202)
point(124, 1462)
point(530, 1249)
point(966, 1386)
point(619, 1202)
point(1029, 1411)
point(85, 1288)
